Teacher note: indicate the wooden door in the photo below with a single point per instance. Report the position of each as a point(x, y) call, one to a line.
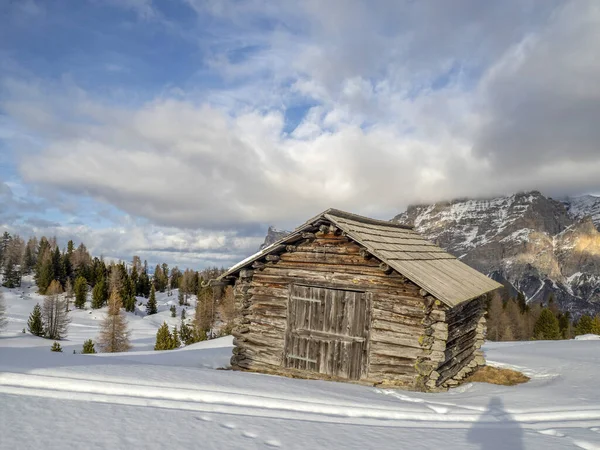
point(327, 331)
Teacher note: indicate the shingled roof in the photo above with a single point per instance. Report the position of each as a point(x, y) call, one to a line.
point(403, 249)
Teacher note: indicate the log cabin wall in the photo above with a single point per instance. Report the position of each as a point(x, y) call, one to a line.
point(466, 327)
point(403, 335)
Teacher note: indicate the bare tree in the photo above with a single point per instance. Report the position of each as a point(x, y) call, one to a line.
point(114, 335)
point(205, 309)
point(54, 313)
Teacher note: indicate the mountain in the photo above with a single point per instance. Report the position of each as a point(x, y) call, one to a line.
point(273, 235)
point(586, 205)
point(534, 244)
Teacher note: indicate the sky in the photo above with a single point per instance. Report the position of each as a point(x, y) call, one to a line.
point(180, 130)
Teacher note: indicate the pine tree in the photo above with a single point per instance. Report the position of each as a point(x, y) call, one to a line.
point(130, 296)
point(180, 297)
point(114, 336)
point(151, 306)
point(185, 333)
point(183, 314)
point(164, 340)
point(35, 325)
point(99, 294)
point(584, 326)
point(28, 259)
point(546, 327)
point(56, 319)
point(564, 323)
point(596, 325)
point(173, 310)
point(88, 347)
point(80, 292)
point(3, 320)
point(12, 276)
point(56, 347)
point(176, 342)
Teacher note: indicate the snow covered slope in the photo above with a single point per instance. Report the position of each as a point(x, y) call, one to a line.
point(530, 242)
point(176, 399)
point(585, 205)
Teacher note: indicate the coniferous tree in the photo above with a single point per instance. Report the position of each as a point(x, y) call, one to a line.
point(130, 296)
point(185, 332)
point(99, 294)
point(3, 320)
point(81, 289)
point(564, 323)
point(164, 340)
point(58, 269)
point(180, 297)
point(28, 258)
point(546, 327)
point(151, 306)
point(522, 302)
point(44, 270)
point(173, 310)
point(88, 347)
point(35, 325)
point(176, 342)
point(183, 314)
point(56, 347)
point(56, 319)
point(596, 325)
point(114, 335)
point(584, 326)
point(12, 276)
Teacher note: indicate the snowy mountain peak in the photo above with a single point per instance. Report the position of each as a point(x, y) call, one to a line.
point(530, 242)
point(585, 205)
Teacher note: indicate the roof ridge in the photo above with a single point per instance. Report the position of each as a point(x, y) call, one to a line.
point(364, 219)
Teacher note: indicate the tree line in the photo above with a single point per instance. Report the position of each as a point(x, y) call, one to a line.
point(513, 319)
point(76, 274)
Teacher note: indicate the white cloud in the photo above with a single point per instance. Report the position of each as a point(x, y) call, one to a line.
point(413, 102)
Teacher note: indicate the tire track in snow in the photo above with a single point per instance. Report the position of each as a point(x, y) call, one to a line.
point(246, 404)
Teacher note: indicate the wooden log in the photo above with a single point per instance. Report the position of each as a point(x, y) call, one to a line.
point(258, 265)
point(272, 258)
point(405, 305)
point(402, 319)
point(366, 254)
point(379, 349)
point(290, 248)
point(254, 339)
point(325, 256)
point(246, 273)
point(324, 229)
point(334, 280)
point(316, 266)
point(402, 340)
point(385, 370)
point(377, 359)
point(395, 327)
point(308, 235)
point(385, 268)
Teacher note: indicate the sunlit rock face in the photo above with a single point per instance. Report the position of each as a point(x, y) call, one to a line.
point(532, 243)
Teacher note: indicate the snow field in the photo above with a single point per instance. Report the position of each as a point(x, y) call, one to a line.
point(177, 399)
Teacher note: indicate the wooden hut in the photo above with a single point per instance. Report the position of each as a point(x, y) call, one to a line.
point(349, 298)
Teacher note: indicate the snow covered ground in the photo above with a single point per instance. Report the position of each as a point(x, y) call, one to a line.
point(177, 399)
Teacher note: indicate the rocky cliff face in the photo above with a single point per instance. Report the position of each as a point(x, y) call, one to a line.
point(273, 235)
point(530, 242)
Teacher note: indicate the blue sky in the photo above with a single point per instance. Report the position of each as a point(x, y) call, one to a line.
point(179, 130)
